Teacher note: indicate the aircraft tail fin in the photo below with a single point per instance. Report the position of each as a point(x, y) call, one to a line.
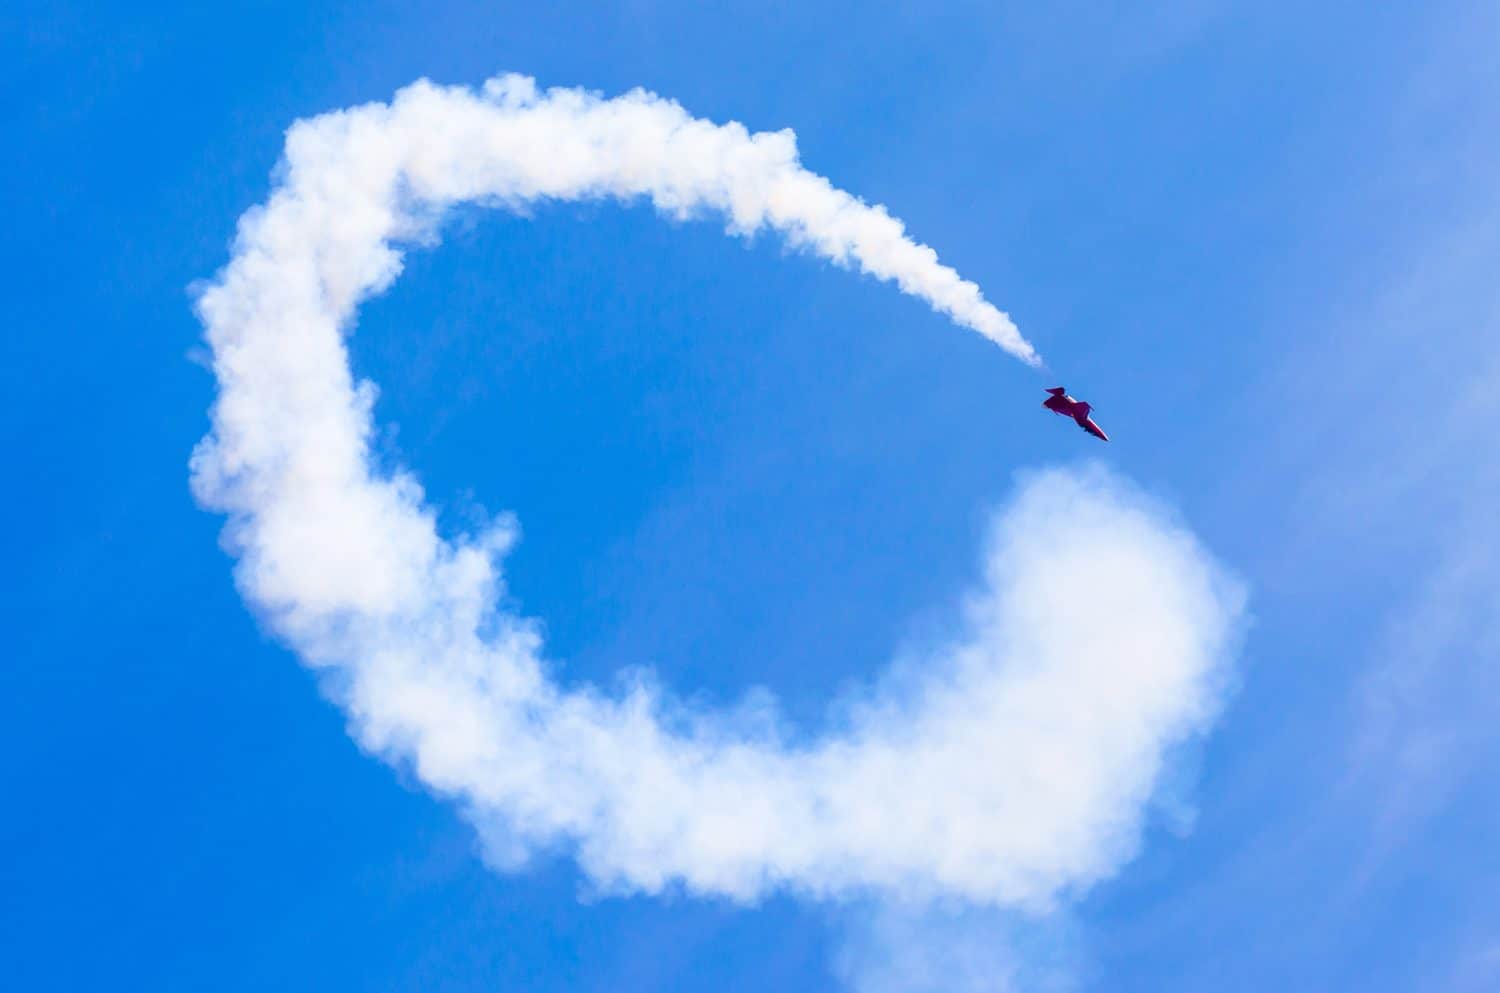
point(1057, 391)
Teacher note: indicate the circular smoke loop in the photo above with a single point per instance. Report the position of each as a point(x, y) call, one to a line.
point(1010, 766)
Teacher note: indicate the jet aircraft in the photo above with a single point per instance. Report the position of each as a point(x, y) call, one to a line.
point(1060, 403)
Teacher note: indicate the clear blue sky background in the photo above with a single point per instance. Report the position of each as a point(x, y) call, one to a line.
point(1262, 238)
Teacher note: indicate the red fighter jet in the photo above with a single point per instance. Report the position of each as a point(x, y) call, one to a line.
point(1060, 403)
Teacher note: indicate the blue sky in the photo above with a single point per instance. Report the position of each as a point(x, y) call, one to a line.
point(1259, 237)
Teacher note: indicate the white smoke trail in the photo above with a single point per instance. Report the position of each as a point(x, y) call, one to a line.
point(1011, 765)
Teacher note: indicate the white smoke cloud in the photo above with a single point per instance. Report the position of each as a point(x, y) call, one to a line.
point(1007, 767)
